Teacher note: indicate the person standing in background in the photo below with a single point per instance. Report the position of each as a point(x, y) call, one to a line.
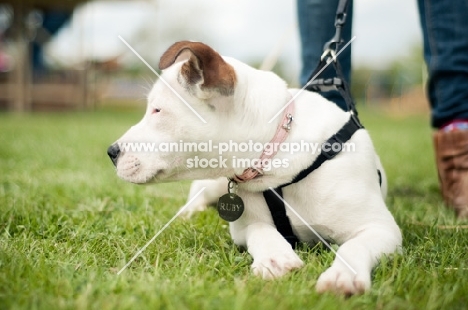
point(445, 39)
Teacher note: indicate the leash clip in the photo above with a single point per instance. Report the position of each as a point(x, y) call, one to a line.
point(331, 47)
point(327, 51)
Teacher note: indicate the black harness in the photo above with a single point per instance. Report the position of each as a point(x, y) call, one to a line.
point(275, 204)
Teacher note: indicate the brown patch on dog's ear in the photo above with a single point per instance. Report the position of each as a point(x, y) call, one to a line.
point(204, 66)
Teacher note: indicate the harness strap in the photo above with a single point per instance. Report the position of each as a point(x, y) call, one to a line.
point(276, 205)
point(344, 90)
point(337, 83)
point(341, 137)
point(280, 218)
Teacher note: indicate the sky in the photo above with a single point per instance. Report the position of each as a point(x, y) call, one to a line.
point(247, 30)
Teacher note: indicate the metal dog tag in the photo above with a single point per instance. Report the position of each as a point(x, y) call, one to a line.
point(230, 206)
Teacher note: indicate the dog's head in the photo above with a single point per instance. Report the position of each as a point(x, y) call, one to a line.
point(200, 96)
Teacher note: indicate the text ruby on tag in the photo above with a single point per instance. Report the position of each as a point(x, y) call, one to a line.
point(230, 207)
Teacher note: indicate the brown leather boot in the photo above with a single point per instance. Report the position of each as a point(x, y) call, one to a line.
point(451, 149)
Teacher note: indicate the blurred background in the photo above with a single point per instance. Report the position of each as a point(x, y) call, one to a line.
point(64, 55)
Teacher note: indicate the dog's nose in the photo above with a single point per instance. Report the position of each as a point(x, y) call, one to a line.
point(113, 151)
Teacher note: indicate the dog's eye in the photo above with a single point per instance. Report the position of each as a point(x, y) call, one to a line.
point(156, 110)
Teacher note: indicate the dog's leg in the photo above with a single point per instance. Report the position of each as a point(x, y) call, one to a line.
point(273, 255)
point(213, 190)
point(361, 253)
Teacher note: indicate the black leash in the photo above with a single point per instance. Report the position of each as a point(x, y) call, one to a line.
point(275, 204)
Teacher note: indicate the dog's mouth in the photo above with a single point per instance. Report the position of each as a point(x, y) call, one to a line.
point(131, 169)
point(141, 178)
point(136, 178)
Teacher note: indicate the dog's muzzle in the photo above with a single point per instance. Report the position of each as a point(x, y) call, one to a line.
point(114, 151)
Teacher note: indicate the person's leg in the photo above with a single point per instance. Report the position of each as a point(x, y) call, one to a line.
point(446, 56)
point(316, 27)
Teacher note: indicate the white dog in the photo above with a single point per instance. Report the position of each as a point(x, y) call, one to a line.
point(203, 96)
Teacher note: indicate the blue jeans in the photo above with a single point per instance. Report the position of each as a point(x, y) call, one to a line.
point(446, 54)
point(445, 50)
point(316, 27)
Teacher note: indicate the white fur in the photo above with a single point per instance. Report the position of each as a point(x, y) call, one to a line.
point(341, 200)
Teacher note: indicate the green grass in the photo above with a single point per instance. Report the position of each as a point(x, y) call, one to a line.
point(68, 224)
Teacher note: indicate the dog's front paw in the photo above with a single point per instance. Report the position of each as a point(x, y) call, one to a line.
point(276, 265)
point(340, 279)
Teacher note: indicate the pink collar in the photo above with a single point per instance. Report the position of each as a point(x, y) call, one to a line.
point(280, 136)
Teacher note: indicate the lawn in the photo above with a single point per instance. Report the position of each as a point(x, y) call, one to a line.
point(68, 224)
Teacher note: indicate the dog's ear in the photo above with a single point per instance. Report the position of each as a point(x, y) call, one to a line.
point(205, 67)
